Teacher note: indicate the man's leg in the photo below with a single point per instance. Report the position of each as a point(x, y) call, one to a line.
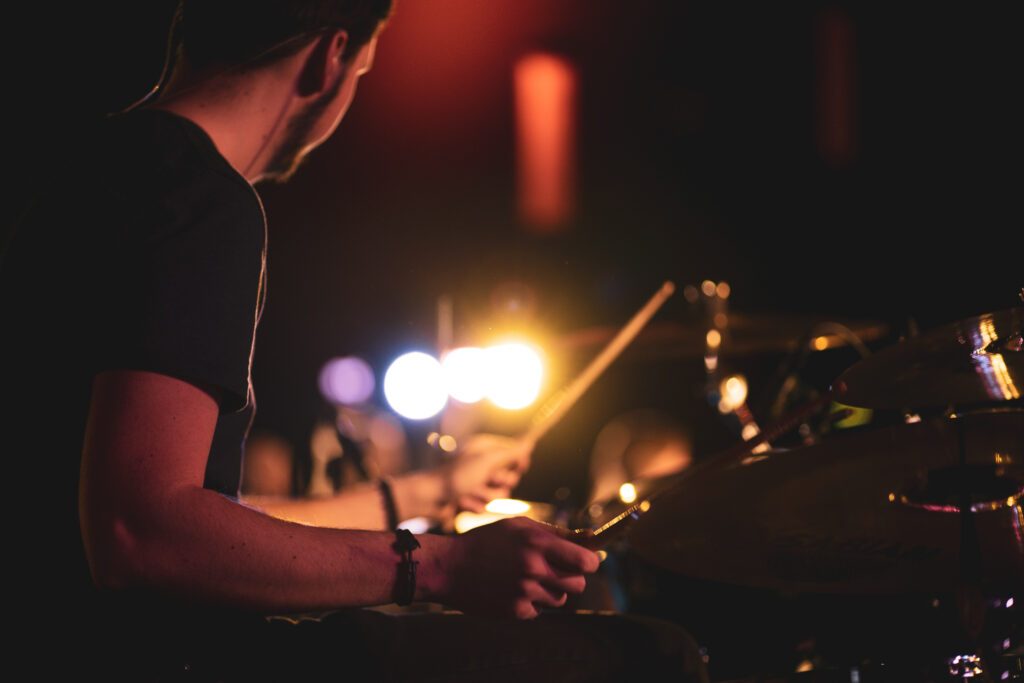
point(557, 646)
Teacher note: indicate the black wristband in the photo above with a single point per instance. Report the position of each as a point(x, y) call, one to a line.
point(405, 582)
point(389, 503)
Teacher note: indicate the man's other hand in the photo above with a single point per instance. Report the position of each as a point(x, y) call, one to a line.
point(486, 467)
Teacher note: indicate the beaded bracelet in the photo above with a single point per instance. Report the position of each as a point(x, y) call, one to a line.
point(405, 582)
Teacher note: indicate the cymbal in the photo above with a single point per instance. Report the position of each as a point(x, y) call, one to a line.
point(872, 512)
point(745, 334)
point(968, 362)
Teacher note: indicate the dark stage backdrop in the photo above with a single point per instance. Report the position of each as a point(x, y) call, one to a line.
point(700, 155)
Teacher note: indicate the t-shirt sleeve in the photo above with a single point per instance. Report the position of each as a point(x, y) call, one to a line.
point(186, 265)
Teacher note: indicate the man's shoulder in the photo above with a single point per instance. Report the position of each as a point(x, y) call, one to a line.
point(158, 141)
point(164, 168)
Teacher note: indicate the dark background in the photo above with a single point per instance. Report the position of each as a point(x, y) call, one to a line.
point(699, 157)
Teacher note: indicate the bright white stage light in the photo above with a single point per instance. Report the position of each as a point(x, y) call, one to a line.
point(627, 493)
point(465, 373)
point(514, 373)
point(414, 386)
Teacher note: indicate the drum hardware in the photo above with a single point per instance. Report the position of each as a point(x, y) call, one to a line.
point(931, 506)
point(750, 334)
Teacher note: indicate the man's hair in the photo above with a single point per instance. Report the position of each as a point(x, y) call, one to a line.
point(248, 34)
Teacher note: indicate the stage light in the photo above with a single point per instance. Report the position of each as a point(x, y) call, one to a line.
point(414, 386)
point(346, 381)
point(733, 390)
point(498, 509)
point(507, 506)
point(545, 102)
point(467, 521)
point(416, 525)
point(514, 373)
point(627, 493)
point(465, 374)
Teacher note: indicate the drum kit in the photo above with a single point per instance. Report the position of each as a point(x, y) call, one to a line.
point(923, 505)
point(928, 506)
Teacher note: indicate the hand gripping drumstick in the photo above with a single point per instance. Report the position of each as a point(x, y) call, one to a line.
point(559, 404)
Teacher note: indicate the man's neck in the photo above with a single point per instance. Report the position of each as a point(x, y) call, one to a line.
point(245, 118)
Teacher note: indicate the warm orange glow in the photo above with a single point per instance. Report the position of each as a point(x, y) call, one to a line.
point(987, 330)
point(820, 343)
point(708, 287)
point(545, 91)
point(714, 338)
point(1003, 378)
point(733, 390)
point(447, 443)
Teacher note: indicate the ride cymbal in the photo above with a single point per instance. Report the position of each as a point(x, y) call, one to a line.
point(873, 512)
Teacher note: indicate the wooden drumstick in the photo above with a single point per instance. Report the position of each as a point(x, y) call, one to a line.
point(557, 406)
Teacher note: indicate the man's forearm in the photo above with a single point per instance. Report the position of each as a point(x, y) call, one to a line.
point(214, 550)
point(361, 506)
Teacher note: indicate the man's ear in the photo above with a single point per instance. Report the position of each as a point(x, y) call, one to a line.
point(324, 63)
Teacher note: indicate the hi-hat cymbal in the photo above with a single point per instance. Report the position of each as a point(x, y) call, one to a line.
point(973, 361)
point(873, 512)
point(745, 334)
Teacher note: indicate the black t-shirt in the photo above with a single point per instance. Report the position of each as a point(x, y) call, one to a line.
point(144, 250)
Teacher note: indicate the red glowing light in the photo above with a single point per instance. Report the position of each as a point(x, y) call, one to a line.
point(545, 89)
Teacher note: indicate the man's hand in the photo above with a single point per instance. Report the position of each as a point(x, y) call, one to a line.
point(486, 467)
point(511, 568)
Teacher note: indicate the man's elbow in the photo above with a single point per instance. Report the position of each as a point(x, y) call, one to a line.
point(141, 546)
point(115, 555)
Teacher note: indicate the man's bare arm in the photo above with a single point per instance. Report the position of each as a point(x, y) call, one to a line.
point(361, 506)
point(147, 522)
point(487, 467)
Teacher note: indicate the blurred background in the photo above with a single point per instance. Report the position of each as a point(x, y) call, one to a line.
point(542, 166)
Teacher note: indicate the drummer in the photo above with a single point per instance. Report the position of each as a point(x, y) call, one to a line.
point(147, 565)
